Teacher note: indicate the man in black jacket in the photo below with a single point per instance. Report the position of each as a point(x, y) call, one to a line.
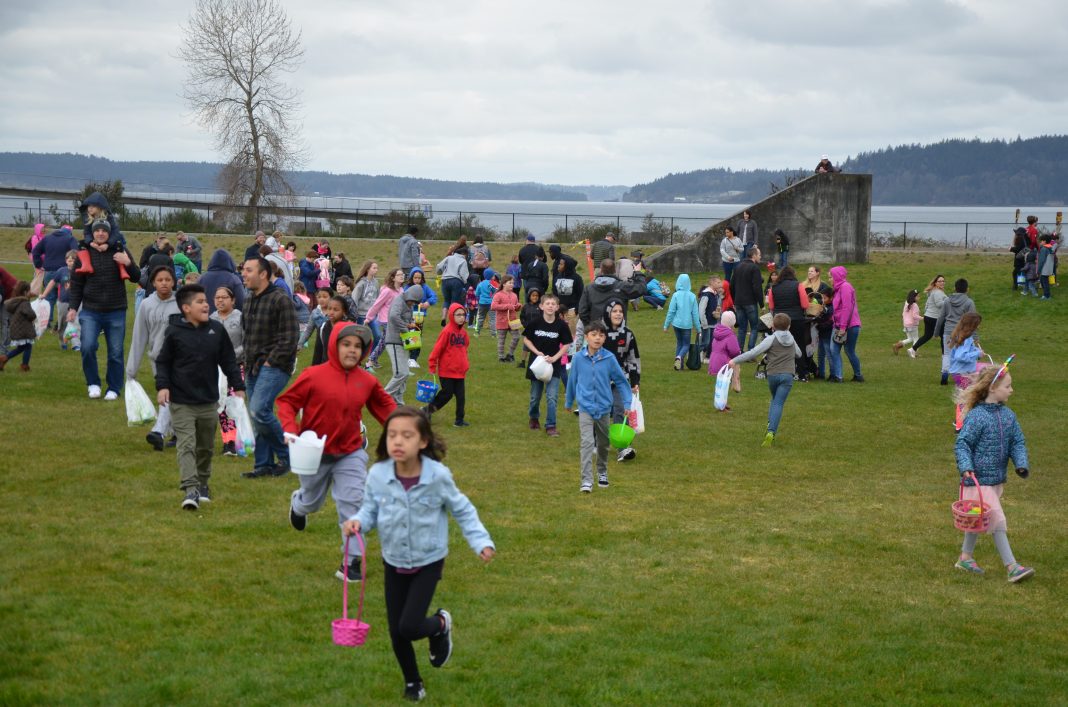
point(253, 251)
point(605, 287)
point(98, 289)
point(527, 255)
point(747, 290)
point(194, 346)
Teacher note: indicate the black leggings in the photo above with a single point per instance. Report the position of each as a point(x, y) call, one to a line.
point(449, 388)
point(801, 330)
point(928, 332)
point(408, 598)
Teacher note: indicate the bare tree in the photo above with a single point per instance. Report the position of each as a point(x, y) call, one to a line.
point(236, 52)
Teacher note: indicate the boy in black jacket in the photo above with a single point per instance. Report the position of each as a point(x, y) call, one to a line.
point(194, 347)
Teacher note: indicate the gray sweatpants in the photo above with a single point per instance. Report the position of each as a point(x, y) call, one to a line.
point(345, 478)
point(398, 358)
point(593, 437)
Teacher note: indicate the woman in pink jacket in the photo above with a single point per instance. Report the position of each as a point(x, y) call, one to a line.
point(846, 319)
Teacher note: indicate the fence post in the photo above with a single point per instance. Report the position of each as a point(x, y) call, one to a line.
point(904, 234)
point(40, 216)
point(306, 219)
point(672, 230)
point(618, 226)
point(160, 224)
point(565, 230)
point(513, 225)
point(965, 235)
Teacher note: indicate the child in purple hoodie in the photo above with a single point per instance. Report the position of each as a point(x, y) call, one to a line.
point(724, 348)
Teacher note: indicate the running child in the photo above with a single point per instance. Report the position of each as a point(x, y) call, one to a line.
point(150, 325)
point(505, 307)
point(193, 348)
point(990, 437)
point(417, 278)
point(471, 302)
point(316, 316)
point(378, 314)
point(344, 291)
point(330, 400)
point(910, 321)
point(230, 318)
point(781, 350)
point(22, 326)
point(448, 361)
point(621, 343)
point(399, 321)
point(485, 291)
point(593, 373)
point(546, 336)
point(408, 494)
point(336, 310)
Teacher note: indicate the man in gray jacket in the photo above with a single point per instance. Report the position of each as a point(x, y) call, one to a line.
point(957, 305)
point(408, 250)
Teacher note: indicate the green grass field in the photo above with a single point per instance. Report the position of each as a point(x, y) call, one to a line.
point(712, 571)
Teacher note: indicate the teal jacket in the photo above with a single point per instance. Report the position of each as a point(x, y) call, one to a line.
point(989, 438)
point(590, 383)
point(413, 526)
point(682, 312)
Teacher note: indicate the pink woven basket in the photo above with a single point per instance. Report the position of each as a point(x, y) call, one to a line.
point(964, 518)
point(352, 632)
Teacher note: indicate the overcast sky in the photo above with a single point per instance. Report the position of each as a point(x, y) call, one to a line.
point(558, 91)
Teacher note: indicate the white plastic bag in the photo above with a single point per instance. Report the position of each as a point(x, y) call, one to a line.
point(236, 411)
point(224, 390)
point(542, 369)
point(41, 309)
point(636, 415)
point(139, 408)
point(723, 386)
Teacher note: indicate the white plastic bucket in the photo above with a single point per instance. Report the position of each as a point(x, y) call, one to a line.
point(542, 369)
point(305, 452)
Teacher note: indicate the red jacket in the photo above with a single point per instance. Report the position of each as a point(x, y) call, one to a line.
point(449, 357)
point(333, 400)
point(7, 283)
point(728, 301)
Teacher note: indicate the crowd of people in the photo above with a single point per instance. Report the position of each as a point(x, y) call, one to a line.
point(250, 322)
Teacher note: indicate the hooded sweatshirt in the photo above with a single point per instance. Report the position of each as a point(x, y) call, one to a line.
point(449, 357)
point(957, 305)
point(408, 252)
point(485, 290)
point(453, 267)
point(400, 313)
point(724, 348)
point(682, 312)
point(567, 283)
point(98, 199)
point(596, 295)
point(364, 294)
point(620, 342)
point(531, 310)
point(590, 380)
point(846, 314)
point(50, 253)
point(332, 399)
point(428, 294)
point(150, 326)
point(222, 272)
point(187, 362)
point(781, 349)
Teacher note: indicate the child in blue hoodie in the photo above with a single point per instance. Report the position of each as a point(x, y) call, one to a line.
point(484, 292)
point(682, 317)
point(589, 384)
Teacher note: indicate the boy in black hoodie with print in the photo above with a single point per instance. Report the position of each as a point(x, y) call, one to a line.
point(194, 346)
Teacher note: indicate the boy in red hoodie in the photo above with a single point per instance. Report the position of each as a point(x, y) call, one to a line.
point(333, 396)
point(506, 306)
point(449, 362)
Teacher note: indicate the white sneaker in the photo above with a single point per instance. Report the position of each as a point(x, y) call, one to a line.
point(94, 391)
point(412, 363)
point(111, 395)
point(912, 352)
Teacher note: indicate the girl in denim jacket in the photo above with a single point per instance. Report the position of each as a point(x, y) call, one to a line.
point(408, 497)
point(990, 437)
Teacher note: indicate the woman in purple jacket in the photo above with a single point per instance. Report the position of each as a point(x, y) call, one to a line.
point(846, 326)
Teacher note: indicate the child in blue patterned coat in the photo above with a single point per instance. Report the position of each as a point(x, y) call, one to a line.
point(989, 438)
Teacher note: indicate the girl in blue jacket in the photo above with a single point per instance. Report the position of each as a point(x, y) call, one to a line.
point(990, 437)
point(682, 317)
point(964, 353)
point(408, 495)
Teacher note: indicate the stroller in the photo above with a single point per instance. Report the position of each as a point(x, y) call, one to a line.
point(764, 329)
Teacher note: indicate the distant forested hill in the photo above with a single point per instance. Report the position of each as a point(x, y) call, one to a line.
point(201, 176)
point(947, 173)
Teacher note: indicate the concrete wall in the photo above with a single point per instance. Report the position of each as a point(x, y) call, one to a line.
point(826, 216)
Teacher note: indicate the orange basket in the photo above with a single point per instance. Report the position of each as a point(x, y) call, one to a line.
point(965, 516)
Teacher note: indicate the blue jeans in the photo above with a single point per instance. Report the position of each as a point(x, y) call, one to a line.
point(552, 394)
point(748, 320)
point(784, 259)
point(728, 270)
point(53, 296)
point(113, 326)
point(823, 353)
point(452, 290)
point(706, 339)
point(261, 389)
point(852, 333)
point(682, 342)
point(779, 384)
